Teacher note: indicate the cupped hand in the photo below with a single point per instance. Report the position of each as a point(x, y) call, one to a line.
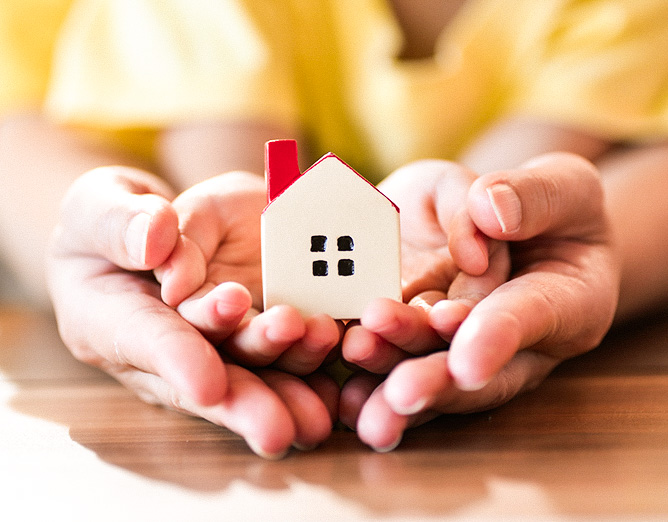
point(431, 195)
point(214, 279)
point(117, 224)
point(558, 303)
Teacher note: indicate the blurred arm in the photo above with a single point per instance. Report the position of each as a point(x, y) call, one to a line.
point(38, 163)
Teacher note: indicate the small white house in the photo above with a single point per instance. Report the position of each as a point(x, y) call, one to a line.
point(330, 239)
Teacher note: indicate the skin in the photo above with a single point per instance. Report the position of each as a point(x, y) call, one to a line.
point(149, 346)
point(86, 270)
point(516, 329)
point(187, 337)
point(116, 224)
point(197, 278)
point(97, 280)
point(580, 243)
point(463, 284)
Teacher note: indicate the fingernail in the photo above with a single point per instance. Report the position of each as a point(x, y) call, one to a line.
point(229, 310)
point(507, 207)
point(411, 409)
point(389, 447)
point(465, 371)
point(265, 454)
point(471, 386)
point(136, 238)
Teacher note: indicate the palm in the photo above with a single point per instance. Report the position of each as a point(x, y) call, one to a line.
point(237, 256)
point(426, 261)
point(220, 239)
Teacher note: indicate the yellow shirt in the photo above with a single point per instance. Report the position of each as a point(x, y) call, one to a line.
point(28, 31)
point(330, 68)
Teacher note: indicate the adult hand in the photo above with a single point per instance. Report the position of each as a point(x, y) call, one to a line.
point(116, 225)
point(558, 303)
point(431, 195)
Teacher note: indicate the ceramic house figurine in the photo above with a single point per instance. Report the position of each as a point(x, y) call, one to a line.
point(330, 239)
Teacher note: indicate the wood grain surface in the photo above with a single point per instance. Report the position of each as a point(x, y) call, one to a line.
point(590, 442)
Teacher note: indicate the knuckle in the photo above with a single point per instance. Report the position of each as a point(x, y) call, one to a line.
point(508, 386)
point(174, 401)
point(80, 349)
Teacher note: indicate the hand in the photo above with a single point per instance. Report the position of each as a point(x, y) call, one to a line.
point(431, 196)
point(214, 279)
point(558, 302)
point(117, 224)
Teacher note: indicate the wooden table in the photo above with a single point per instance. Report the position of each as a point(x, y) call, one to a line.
point(592, 441)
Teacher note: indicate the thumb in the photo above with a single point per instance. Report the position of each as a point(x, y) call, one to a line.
point(121, 214)
point(556, 194)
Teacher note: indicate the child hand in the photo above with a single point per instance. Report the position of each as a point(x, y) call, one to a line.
point(214, 279)
point(116, 224)
point(431, 196)
point(558, 303)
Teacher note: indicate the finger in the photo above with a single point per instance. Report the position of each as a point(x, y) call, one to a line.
point(249, 407)
point(308, 353)
point(369, 350)
point(471, 289)
point(378, 425)
point(177, 282)
point(483, 344)
point(256, 412)
point(468, 247)
point(419, 389)
point(542, 310)
point(216, 312)
point(310, 416)
point(446, 316)
point(421, 385)
point(222, 210)
point(555, 193)
point(467, 290)
point(415, 385)
point(156, 340)
point(443, 185)
point(354, 393)
point(121, 214)
point(129, 328)
point(262, 338)
point(328, 391)
point(404, 326)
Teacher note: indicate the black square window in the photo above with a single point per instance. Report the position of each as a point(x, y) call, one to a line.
point(320, 268)
point(346, 267)
point(318, 243)
point(345, 244)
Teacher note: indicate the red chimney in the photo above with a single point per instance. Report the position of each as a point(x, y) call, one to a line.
point(281, 166)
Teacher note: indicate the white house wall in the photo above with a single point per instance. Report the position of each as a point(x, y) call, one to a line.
point(330, 200)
